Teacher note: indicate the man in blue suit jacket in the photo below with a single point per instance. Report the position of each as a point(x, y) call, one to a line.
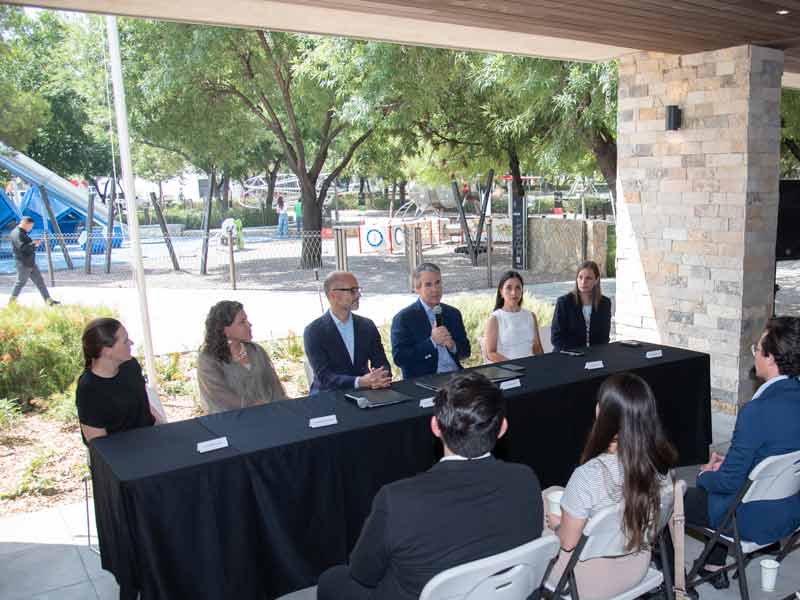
point(419, 346)
point(768, 425)
point(344, 349)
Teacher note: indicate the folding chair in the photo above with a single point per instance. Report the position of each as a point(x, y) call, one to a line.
point(603, 537)
point(774, 478)
point(544, 338)
point(511, 575)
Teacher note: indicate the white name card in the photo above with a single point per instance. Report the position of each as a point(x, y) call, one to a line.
point(426, 402)
point(322, 421)
point(654, 354)
point(594, 364)
point(510, 384)
point(215, 444)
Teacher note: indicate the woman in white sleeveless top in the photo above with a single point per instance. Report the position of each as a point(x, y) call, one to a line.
point(511, 331)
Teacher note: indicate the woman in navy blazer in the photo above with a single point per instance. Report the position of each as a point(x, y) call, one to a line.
point(768, 425)
point(584, 304)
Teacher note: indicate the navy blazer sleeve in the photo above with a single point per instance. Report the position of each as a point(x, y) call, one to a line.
point(559, 329)
point(369, 560)
point(747, 438)
point(325, 377)
point(406, 349)
point(455, 324)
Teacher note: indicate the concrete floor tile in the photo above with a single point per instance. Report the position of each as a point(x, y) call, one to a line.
point(74, 516)
point(80, 591)
point(106, 587)
point(44, 527)
point(40, 569)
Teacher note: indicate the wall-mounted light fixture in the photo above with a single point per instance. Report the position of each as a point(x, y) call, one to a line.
point(673, 118)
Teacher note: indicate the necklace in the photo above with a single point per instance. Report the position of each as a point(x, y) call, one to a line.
point(241, 355)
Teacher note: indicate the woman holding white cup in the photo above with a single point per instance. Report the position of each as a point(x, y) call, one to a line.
point(626, 460)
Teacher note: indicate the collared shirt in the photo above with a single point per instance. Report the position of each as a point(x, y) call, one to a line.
point(763, 387)
point(348, 334)
point(446, 362)
point(459, 457)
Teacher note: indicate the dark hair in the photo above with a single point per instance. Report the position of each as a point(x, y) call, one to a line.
point(221, 315)
point(499, 302)
point(782, 341)
point(596, 293)
point(627, 412)
point(98, 334)
point(279, 201)
point(470, 410)
point(25, 219)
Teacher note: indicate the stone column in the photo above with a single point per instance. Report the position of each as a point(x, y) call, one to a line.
point(697, 208)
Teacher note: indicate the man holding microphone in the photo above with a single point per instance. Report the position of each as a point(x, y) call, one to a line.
point(428, 336)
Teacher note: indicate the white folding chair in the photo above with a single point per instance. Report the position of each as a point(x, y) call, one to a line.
point(603, 537)
point(309, 371)
point(774, 478)
point(482, 344)
point(544, 338)
point(510, 575)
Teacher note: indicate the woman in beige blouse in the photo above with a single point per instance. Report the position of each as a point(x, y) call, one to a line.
point(232, 371)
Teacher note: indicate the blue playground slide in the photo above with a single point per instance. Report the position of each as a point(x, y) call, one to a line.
point(9, 215)
point(69, 203)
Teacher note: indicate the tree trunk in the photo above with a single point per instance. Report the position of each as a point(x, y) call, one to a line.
point(517, 190)
point(403, 184)
point(222, 195)
point(604, 147)
point(311, 251)
point(272, 180)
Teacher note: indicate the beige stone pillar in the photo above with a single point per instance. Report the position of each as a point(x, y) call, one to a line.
point(697, 208)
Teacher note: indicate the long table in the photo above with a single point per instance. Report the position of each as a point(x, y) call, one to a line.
point(283, 502)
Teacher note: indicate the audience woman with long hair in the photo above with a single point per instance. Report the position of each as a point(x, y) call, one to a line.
point(582, 316)
point(111, 395)
point(626, 461)
point(232, 371)
point(511, 331)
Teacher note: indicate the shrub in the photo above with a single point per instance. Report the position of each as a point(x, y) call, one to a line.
point(40, 349)
point(33, 481)
point(61, 406)
point(9, 413)
point(611, 251)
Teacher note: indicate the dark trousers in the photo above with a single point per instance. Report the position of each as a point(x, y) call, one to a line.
point(25, 273)
point(336, 584)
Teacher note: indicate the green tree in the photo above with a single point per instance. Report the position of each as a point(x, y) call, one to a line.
point(790, 133)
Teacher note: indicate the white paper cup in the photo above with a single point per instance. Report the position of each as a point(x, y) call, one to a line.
point(554, 502)
point(769, 574)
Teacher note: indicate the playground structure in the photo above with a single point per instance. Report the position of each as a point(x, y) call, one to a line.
point(69, 203)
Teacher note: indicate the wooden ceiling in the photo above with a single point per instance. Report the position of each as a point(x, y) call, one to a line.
point(575, 29)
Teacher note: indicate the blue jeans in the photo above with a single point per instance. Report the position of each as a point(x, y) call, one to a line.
point(283, 225)
point(298, 222)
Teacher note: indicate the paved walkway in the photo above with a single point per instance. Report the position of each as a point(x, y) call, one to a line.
point(177, 315)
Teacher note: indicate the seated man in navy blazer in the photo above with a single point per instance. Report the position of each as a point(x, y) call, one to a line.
point(343, 348)
point(466, 507)
point(768, 425)
point(428, 336)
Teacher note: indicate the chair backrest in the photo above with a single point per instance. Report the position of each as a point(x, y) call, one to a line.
point(544, 339)
point(510, 575)
point(604, 529)
point(774, 478)
point(309, 371)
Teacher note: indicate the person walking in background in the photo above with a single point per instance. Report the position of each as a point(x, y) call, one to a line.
point(25, 261)
point(582, 316)
point(298, 215)
point(283, 217)
point(511, 331)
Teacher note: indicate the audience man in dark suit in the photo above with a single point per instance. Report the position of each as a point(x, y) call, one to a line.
point(428, 336)
point(768, 425)
point(344, 349)
point(25, 261)
point(468, 506)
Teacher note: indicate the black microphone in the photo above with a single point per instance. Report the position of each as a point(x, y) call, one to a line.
point(437, 312)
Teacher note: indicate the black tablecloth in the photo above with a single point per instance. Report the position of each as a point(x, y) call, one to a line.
point(283, 502)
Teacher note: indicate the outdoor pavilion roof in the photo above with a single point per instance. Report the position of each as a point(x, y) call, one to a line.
point(592, 30)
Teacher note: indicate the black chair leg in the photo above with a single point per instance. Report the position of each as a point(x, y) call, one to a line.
point(788, 546)
point(741, 565)
point(662, 548)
